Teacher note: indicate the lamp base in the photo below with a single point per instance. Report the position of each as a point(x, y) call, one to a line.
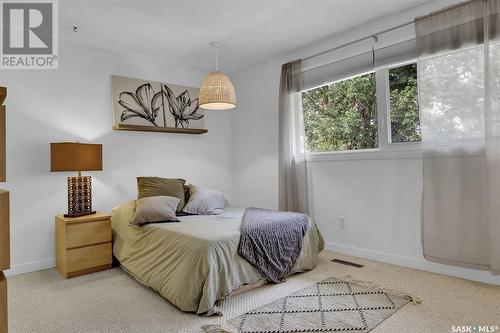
point(79, 214)
point(79, 196)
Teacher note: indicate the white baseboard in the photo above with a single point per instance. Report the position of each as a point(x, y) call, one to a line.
point(30, 267)
point(415, 263)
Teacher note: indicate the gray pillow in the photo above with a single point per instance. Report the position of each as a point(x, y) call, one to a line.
point(158, 208)
point(204, 201)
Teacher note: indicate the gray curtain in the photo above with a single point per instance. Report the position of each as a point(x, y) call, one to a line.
point(293, 184)
point(459, 97)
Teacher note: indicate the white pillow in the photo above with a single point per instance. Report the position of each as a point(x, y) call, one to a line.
point(204, 201)
point(159, 208)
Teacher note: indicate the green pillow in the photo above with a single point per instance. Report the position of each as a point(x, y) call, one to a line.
point(155, 186)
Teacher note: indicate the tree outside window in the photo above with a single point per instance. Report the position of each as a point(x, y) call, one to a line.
point(343, 115)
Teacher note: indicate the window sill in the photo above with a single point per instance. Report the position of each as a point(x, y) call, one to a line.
point(413, 152)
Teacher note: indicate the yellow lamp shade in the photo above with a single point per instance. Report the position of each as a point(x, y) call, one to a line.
point(217, 92)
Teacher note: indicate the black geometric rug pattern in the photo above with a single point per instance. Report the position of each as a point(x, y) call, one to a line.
point(331, 305)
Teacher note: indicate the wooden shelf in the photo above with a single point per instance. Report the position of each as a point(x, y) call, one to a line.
point(4, 220)
point(3, 304)
point(123, 127)
point(4, 230)
point(3, 95)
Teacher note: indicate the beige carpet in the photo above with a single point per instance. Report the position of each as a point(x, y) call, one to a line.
point(111, 301)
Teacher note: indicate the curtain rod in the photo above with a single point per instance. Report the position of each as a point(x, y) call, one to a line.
point(351, 57)
point(374, 36)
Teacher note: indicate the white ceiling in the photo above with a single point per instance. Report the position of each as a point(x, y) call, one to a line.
point(252, 30)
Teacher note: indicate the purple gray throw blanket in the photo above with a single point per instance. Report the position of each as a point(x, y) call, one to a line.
point(271, 241)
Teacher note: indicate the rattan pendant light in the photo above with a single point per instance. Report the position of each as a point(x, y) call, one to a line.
point(217, 91)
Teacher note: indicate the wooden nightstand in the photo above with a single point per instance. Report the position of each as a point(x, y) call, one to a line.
point(83, 244)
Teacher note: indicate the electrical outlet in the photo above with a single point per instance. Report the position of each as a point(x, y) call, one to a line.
point(342, 223)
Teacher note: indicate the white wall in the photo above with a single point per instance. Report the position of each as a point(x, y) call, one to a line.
point(255, 141)
point(380, 198)
point(73, 103)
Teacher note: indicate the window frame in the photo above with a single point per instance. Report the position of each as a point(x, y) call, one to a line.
point(386, 148)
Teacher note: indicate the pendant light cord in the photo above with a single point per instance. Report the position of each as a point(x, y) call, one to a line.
point(216, 46)
point(216, 58)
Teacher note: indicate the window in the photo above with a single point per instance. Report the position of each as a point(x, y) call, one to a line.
point(403, 104)
point(341, 115)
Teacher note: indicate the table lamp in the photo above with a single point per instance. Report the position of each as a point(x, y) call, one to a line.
point(75, 156)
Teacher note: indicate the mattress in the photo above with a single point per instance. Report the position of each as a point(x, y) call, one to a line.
point(194, 263)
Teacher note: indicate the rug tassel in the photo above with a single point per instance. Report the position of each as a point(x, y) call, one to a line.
point(214, 329)
point(413, 299)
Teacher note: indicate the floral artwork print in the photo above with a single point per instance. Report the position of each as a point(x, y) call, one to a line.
point(143, 103)
point(182, 107)
point(139, 103)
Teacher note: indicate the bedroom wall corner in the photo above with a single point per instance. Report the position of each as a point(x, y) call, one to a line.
point(255, 143)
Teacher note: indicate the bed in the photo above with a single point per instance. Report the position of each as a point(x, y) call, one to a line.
point(194, 263)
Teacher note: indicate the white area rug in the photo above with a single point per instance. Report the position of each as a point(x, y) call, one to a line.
point(331, 305)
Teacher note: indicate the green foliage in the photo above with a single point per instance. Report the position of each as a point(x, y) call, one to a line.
point(341, 116)
point(405, 123)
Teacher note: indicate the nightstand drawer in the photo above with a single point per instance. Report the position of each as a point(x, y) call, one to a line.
point(82, 234)
point(88, 257)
